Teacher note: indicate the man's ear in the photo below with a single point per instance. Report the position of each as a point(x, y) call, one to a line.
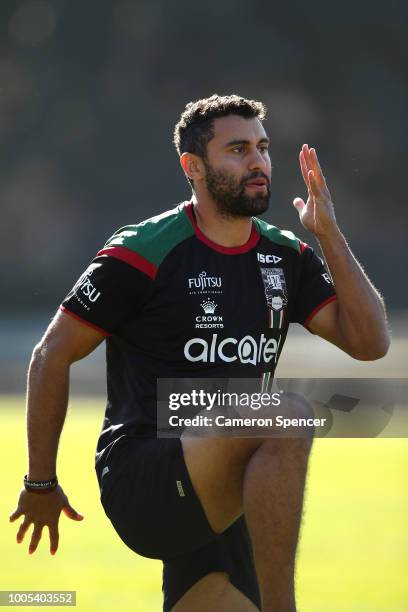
point(192, 165)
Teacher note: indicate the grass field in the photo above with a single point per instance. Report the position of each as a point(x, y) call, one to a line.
point(353, 553)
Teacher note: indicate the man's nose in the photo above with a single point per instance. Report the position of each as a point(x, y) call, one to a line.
point(257, 161)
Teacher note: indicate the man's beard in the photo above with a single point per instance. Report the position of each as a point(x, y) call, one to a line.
point(229, 194)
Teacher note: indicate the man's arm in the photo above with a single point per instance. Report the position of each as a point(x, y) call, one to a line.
point(65, 341)
point(356, 321)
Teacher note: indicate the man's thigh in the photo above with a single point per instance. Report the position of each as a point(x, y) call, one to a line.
point(214, 592)
point(216, 467)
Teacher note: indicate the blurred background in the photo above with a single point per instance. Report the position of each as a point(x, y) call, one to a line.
point(90, 91)
point(89, 95)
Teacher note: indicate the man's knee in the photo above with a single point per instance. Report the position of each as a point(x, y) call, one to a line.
point(217, 466)
point(296, 423)
point(287, 448)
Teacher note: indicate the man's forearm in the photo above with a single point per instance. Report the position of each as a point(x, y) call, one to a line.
point(361, 313)
point(47, 399)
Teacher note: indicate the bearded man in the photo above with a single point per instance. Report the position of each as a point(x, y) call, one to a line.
point(222, 513)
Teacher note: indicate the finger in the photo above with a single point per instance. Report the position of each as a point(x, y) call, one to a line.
point(314, 187)
point(35, 538)
point(303, 167)
point(54, 539)
point(299, 204)
point(22, 531)
point(307, 163)
point(15, 515)
point(315, 159)
point(306, 153)
point(317, 167)
point(72, 513)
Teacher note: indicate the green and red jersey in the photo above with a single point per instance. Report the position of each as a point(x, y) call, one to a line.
point(174, 304)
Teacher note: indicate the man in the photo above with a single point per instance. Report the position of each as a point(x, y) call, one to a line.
point(223, 513)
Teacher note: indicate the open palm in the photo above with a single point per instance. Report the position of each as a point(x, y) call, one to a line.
point(317, 214)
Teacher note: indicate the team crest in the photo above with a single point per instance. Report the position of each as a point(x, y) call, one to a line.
point(275, 288)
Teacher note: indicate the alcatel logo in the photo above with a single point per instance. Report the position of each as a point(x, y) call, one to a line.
point(246, 350)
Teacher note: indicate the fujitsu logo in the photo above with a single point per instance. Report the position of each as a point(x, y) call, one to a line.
point(203, 281)
point(87, 288)
point(245, 350)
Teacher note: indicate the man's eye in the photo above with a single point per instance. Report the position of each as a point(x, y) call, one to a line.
point(238, 149)
point(264, 149)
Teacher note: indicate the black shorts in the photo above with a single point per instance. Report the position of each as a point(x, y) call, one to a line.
point(148, 496)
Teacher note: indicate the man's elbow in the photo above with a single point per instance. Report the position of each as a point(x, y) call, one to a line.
point(371, 351)
point(48, 351)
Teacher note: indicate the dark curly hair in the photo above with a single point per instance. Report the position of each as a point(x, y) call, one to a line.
point(195, 127)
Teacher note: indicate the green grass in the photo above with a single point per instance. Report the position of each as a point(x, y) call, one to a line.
point(353, 553)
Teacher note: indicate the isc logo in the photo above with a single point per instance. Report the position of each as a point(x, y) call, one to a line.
point(268, 258)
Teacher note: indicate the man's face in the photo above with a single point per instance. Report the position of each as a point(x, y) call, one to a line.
point(238, 167)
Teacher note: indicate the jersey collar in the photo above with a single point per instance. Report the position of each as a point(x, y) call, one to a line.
point(250, 244)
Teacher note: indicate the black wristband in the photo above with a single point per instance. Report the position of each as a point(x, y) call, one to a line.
point(40, 486)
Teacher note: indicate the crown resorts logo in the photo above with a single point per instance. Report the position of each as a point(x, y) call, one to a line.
point(208, 307)
point(209, 319)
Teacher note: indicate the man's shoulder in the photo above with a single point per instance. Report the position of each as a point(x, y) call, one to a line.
point(155, 237)
point(279, 236)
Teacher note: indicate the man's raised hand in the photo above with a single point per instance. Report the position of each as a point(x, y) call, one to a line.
point(317, 214)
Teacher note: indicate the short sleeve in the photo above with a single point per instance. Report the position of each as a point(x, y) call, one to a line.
point(315, 287)
point(108, 293)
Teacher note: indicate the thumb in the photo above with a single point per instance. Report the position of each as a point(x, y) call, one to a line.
point(299, 204)
point(71, 513)
point(14, 515)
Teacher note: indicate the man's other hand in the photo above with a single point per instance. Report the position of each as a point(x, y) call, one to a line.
point(43, 510)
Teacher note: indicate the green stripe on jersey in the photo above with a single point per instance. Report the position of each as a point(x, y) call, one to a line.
point(154, 238)
point(283, 237)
